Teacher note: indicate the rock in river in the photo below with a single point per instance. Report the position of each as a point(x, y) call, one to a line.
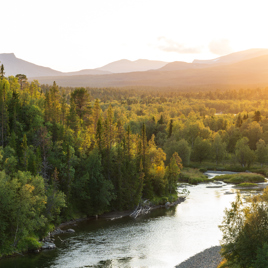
point(48, 245)
point(70, 231)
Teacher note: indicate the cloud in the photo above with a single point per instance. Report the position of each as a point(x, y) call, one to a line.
point(220, 47)
point(172, 46)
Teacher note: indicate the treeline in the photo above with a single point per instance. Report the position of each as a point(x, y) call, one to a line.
point(63, 156)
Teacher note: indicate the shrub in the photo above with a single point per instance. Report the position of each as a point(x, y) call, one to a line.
point(29, 243)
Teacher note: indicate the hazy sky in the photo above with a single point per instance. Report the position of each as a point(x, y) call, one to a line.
point(72, 35)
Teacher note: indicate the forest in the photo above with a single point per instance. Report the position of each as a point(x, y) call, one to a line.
point(73, 152)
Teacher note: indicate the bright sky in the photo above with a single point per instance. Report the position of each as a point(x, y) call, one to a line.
point(83, 34)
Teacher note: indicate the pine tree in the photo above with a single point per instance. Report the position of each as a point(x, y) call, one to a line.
point(170, 128)
point(96, 114)
point(73, 119)
point(257, 116)
point(81, 98)
point(64, 107)
point(239, 121)
point(161, 120)
point(4, 118)
point(12, 141)
point(25, 153)
point(99, 135)
point(2, 73)
point(143, 143)
point(55, 103)
point(22, 80)
point(128, 142)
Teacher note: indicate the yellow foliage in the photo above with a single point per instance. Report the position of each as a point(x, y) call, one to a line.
point(222, 264)
point(29, 187)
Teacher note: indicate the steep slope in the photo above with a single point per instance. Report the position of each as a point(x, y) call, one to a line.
point(252, 72)
point(126, 66)
point(14, 66)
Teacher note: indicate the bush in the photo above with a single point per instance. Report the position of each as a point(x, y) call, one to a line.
point(29, 243)
point(164, 200)
point(172, 198)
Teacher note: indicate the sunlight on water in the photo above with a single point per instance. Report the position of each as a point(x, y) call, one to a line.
point(164, 238)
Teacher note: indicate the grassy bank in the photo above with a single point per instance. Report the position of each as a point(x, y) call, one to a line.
point(241, 178)
point(192, 176)
point(229, 166)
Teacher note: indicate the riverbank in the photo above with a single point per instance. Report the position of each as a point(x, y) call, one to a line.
point(209, 258)
point(118, 214)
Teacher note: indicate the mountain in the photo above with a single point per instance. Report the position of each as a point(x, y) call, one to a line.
point(87, 71)
point(181, 65)
point(247, 73)
point(228, 59)
point(126, 66)
point(14, 66)
point(235, 57)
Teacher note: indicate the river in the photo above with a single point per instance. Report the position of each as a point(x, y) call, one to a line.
point(163, 238)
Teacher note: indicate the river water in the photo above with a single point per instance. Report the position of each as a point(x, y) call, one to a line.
point(163, 238)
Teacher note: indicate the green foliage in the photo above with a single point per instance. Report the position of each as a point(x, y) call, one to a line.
point(261, 152)
point(262, 257)
point(29, 243)
point(218, 149)
point(244, 155)
point(164, 199)
point(245, 230)
point(192, 176)
point(241, 178)
point(201, 149)
point(23, 201)
point(92, 191)
point(111, 156)
point(247, 184)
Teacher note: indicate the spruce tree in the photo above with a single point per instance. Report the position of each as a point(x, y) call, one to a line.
point(25, 153)
point(170, 128)
point(73, 119)
point(2, 73)
point(4, 118)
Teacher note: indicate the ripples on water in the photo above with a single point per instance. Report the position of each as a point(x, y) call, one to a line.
point(163, 238)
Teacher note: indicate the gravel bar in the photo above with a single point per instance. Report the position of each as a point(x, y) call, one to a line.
point(209, 258)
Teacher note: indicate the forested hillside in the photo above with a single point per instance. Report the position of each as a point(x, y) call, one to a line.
point(72, 152)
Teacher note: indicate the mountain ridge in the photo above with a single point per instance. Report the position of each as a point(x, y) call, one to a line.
point(251, 72)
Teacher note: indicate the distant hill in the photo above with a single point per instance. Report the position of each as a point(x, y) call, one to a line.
point(86, 71)
point(228, 59)
point(14, 66)
point(126, 66)
point(180, 65)
point(247, 73)
point(235, 57)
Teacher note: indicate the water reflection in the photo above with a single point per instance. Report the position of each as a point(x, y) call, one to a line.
point(163, 238)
